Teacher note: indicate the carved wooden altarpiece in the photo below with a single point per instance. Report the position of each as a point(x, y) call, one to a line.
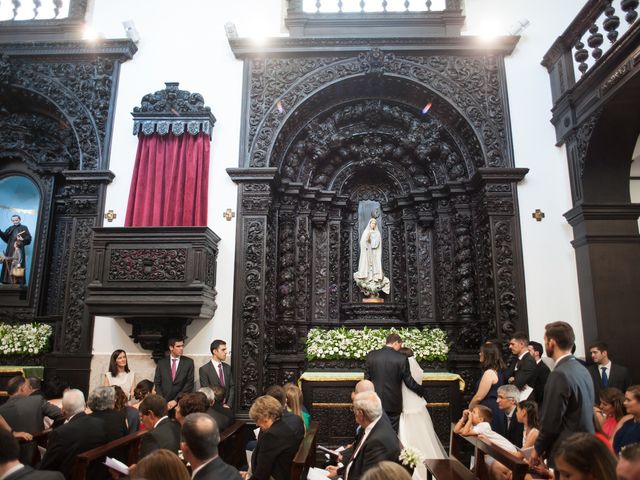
point(57, 97)
point(330, 122)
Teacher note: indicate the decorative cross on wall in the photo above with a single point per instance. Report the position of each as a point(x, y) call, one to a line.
point(228, 214)
point(110, 215)
point(538, 215)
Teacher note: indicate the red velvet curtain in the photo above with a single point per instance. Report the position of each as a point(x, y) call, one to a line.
point(170, 181)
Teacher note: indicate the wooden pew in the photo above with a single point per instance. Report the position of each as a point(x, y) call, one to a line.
point(449, 468)
point(306, 455)
point(517, 466)
point(131, 442)
point(232, 444)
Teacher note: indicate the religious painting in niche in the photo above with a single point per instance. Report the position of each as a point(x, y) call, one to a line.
point(369, 277)
point(19, 205)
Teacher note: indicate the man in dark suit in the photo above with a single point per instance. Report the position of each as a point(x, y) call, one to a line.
point(174, 374)
point(24, 413)
point(81, 433)
point(215, 398)
point(568, 395)
point(522, 366)
point(12, 469)
point(606, 374)
point(200, 439)
point(508, 425)
point(163, 432)
point(387, 369)
point(377, 441)
point(540, 374)
point(217, 372)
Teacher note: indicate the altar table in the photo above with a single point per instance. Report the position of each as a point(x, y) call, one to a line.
point(327, 396)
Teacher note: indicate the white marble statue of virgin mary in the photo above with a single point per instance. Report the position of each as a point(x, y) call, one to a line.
point(370, 277)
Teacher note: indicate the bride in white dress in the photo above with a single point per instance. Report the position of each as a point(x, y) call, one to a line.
point(416, 429)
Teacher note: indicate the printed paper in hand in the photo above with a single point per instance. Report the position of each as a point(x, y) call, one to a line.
point(116, 465)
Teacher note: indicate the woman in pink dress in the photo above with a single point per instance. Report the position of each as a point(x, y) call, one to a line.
point(610, 410)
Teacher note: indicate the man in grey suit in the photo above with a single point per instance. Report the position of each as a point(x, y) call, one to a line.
point(568, 406)
point(217, 372)
point(12, 469)
point(25, 413)
point(174, 374)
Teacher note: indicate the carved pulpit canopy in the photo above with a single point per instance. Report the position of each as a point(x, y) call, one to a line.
point(172, 110)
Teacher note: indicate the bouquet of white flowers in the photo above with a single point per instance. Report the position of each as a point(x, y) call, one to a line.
point(24, 339)
point(342, 343)
point(411, 458)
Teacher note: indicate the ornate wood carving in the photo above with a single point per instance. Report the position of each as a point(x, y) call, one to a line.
point(55, 127)
point(324, 133)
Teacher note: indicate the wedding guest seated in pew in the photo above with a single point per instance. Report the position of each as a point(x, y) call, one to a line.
point(26, 414)
point(190, 403)
point(629, 430)
point(215, 400)
point(583, 456)
point(295, 405)
point(160, 465)
point(200, 440)
point(477, 421)
point(277, 442)
point(82, 432)
point(507, 424)
point(386, 471)
point(527, 415)
point(376, 442)
point(610, 410)
point(10, 466)
point(164, 432)
point(132, 416)
point(143, 388)
point(629, 463)
point(294, 422)
point(102, 402)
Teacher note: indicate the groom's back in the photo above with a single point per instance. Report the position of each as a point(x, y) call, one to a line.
point(385, 369)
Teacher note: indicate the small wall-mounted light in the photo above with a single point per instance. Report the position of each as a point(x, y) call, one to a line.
point(538, 215)
point(110, 215)
point(228, 214)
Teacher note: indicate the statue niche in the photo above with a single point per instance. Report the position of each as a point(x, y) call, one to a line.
point(370, 277)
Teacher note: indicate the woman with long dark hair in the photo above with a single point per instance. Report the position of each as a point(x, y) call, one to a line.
point(610, 411)
point(119, 373)
point(492, 377)
point(583, 456)
point(629, 429)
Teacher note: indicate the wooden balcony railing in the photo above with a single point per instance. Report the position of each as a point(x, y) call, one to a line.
point(374, 18)
point(598, 28)
point(30, 10)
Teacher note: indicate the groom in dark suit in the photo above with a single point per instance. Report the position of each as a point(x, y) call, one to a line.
point(174, 374)
point(387, 369)
point(568, 395)
point(217, 372)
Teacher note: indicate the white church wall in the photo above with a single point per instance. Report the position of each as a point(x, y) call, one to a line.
point(186, 42)
point(549, 259)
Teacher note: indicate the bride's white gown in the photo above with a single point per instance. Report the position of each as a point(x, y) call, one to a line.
point(416, 429)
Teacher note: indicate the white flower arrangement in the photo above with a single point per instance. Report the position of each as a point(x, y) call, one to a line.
point(342, 343)
point(24, 339)
point(411, 457)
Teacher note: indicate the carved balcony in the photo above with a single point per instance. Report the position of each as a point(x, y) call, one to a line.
point(595, 58)
point(157, 278)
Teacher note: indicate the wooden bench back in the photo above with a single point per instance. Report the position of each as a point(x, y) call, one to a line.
point(131, 442)
point(517, 466)
point(233, 444)
point(306, 455)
